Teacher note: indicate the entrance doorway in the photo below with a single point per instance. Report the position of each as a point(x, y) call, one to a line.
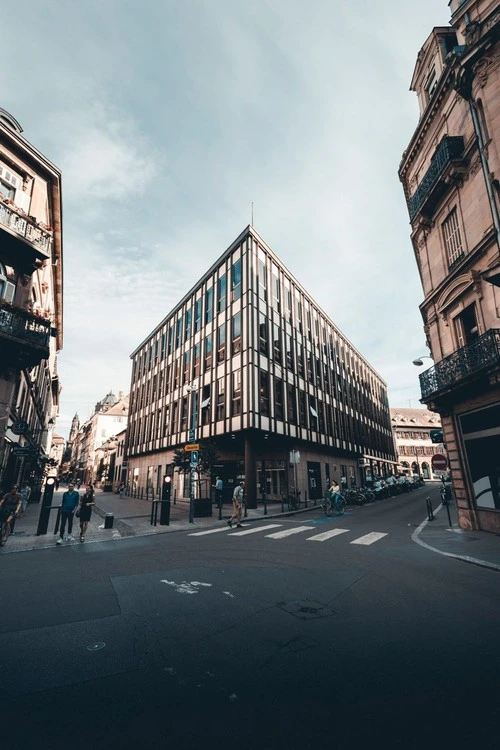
point(314, 480)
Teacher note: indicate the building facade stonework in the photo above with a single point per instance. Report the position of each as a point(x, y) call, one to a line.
point(450, 173)
point(414, 430)
point(31, 313)
point(248, 361)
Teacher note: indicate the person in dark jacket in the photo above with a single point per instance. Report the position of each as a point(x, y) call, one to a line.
point(70, 500)
point(86, 504)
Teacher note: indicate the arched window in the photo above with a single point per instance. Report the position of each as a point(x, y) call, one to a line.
point(7, 288)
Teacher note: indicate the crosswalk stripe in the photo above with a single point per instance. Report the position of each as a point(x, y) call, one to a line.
point(367, 539)
point(326, 535)
point(210, 531)
point(255, 531)
point(288, 532)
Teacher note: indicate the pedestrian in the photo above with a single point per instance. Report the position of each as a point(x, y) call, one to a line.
point(218, 491)
point(238, 495)
point(85, 510)
point(122, 489)
point(10, 505)
point(70, 500)
point(25, 494)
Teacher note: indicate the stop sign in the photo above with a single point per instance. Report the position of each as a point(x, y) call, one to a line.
point(439, 462)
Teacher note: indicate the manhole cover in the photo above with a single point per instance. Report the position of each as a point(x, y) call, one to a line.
point(95, 646)
point(307, 610)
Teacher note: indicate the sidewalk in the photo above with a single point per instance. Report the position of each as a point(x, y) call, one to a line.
point(476, 547)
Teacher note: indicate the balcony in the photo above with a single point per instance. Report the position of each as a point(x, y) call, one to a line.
point(24, 337)
point(445, 164)
point(457, 369)
point(24, 242)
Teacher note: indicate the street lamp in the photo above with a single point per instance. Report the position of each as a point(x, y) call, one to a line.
point(418, 362)
point(193, 461)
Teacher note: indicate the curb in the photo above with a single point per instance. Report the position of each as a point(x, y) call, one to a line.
point(463, 558)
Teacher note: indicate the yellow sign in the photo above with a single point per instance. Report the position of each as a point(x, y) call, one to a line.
point(192, 447)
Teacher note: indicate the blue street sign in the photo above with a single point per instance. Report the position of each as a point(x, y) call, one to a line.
point(192, 436)
point(194, 457)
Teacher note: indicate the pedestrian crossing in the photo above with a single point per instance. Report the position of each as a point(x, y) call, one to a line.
point(365, 540)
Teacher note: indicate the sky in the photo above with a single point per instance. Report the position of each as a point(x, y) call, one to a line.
point(168, 118)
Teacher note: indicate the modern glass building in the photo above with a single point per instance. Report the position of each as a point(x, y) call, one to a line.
point(269, 373)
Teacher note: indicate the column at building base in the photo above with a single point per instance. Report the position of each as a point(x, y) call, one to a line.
point(250, 474)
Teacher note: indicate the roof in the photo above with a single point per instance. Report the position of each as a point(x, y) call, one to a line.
point(119, 409)
point(409, 417)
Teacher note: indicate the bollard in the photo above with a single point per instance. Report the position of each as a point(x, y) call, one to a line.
point(165, 501)
point(264, 497)
point(430, 513)
point(48, 494)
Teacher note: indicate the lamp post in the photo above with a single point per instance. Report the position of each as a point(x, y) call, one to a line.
point(418, 361)
point(192, 389)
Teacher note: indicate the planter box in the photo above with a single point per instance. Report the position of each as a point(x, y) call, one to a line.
point(202, 508)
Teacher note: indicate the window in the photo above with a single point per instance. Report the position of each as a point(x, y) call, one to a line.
point(197, 315)
point(196, 361)
point(220, 399)
point(170, 339)
point(166, 421)
point(300, 360)
point(236, 280)
point(262, 273)
point(187, 328)
point(221, 343)
point(277, 353)
point(208, 352)
point(278, 399)
point(209, 305)
point(7, 288)
point(264, 393)
point(452, 238)
point(178, 335)
point(291, 404)
point(184, 413)
point(313, 412)
point(289, 352)
point(466, 326)
point(205, 405)
point(431, 83)
point(187, 361)
point(288, 298)
point(276, 289)
point(174, 416)
point(236, 333)
point(263, 335)
point(221, 294)
point(302, 409)
point(310, 367)
point(236, 394)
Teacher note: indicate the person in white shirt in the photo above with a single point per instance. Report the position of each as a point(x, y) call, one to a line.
point(238, 496)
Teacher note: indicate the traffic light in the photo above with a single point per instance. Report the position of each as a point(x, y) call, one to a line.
point(437, 436)
point(166, 491)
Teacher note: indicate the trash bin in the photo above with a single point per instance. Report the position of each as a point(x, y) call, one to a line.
point(165, 513)
point(108, 521)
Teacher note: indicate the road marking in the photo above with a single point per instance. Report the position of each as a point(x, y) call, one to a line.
point(255, 531)
point(288, 532)
point(326, 535)
point(210, 531)
point(186, 587)
point(370, 538)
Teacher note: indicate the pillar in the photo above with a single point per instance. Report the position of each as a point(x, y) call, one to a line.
point(250, 474)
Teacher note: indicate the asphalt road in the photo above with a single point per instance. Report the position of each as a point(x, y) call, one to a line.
point(252, 640)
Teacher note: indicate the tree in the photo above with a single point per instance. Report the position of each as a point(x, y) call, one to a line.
point(207, 457)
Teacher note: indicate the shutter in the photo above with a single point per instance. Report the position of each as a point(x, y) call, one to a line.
point(23, 200)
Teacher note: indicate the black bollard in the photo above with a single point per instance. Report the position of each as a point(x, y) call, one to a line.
point(430, 512)
point(165, 501)
point(48, 494)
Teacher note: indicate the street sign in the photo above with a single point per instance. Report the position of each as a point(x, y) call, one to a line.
point(439, 462)
point(194, 458)
point(192, 436)
point(19, 428)
point(436, 436)
point(192, 447)
point(21, 450)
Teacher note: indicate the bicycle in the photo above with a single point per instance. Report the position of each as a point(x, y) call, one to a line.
point(338, 503)
point(294, 500)
point(5, 520)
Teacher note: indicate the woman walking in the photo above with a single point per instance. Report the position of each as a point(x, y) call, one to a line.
point(86, 504)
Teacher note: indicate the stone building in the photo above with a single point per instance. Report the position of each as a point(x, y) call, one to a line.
point(450, 172)
point(249, 361)
point(31, 313)
point(414, 430)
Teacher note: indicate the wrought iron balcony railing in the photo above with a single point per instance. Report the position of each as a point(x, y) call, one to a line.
point(24, 327)
point(25, 228)
point(449, 150)
point(469, 360)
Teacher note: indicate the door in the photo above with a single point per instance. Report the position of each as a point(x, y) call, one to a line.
point(314, 480)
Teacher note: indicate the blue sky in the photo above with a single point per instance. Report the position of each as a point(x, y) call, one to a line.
point(169, 118)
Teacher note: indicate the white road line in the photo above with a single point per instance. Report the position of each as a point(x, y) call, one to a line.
point(210, 531)
point(370, 538)
point(288, 532)
point(326, 535)
point(255, 531)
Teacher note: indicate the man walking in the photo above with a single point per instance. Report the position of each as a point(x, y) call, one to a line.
point(218, 491)
point(237, 505)
point(25, 494)
point(70, 501)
